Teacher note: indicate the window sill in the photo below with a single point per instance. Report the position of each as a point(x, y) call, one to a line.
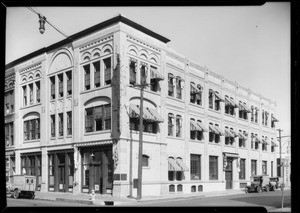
point(145, 133)
point(33, 105)
point(229, 145)
point(229, 115)
point(197, 141)
point(97, 132)
point(153, 92)
point(32, 141)
point(52, 138)
point(214, 143)
point(256, 123)
point(241, 147)
point(175, 99)
point(95, 89)
point(213, 110)
point(196, 105)
point(242, 119)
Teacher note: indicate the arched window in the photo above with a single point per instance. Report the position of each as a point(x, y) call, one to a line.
point(179, 188)
point(210, 98)
point(178, 126)
point(171, 188)
point(179, 86)
point(171, 84)
point(199, 133)
point(193, 188)
point(211, 133)
point(170, 124)
point(31, 126)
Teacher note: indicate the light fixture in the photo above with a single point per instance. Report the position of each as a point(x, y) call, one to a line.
point(42, 20)
point(92, 155)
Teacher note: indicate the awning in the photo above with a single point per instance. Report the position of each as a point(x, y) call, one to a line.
point(212, 128)
point(182, 165)
point(194, 89)
point(228, 133)
point(94, 143)
point(201, 125)
point(231, 155)
point(230, 102)
point(219, 131)
point(241, 135)
point(265, 141)
point(256, 139)
point(172, 165)
point(155, 114)
point(233, 132)
point(274, 119)
point(218, 97)
point(274, 143)
point(154, 74)
point(245, 135)
point(195, 126)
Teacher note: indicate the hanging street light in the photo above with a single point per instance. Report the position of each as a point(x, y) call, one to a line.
point(42, 20)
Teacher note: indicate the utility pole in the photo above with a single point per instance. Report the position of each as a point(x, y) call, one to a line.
point(281, 169)
point(142, 86)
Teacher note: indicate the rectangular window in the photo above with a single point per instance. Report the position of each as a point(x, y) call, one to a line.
point(52, 125)
point(32, 129)
point(89, 120)
point(178, 88)
point(7, 134)
point(154, 81)
point(107, 116)
point(96, 66)
point(170, 124)
point(61, 124)
point(71, 168)
point(60, 85)
point(31, 93)
point(52, 82)
point(271, 168)
point(38, 92)
point(210, 99)
point(86, 77)
point(178, 126)
point(264, 167)
point(69, 83)
point(51, 169)
point(213, 168)
point(132, 71)
point(107, 70)
point(11, 134)
point(24, 95)
point(195, 167)
point(170, 85)
point(253, 167)
point(143, 75)
point(69, 123)
point(86, 169)
point(242, 173)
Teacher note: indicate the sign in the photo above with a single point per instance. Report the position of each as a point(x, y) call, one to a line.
point(96, 187)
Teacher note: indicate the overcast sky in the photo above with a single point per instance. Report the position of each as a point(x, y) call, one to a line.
point(249, 45)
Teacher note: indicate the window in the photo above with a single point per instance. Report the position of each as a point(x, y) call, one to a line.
point(71, 168)
point(179, 86)
point(132, 71)
point(195, 167)
point(242, 173)
point(24, 95)
point(155, 77)
point(217, 101)
point(210, 98)
point(229, 105)
point(38, 92)
point(271, 168)
point(178, 126)
point(253, 167)
point(96, 66)
point(217, 136)
point(32, 129)
point(229, 136)
point(51, 170)
point(9, 134)
point(148, 126)
point(52, 83)
point(256, 115)
point(200, 133)
point(61, 124)
point(266, 118)
point(107, 70)
point(52, 125)
point(193, 132)
point(170, 124)
point(211, 133)
point(60, 85)
point(31, 93)
point(196, 94)
point(69, 123)
point(86, 169)
point(171, 81)
point(145, 160)
point(98, 118)
point(213, 168)
point(87, 77)
point(264, 167)
point(69, 82)
point(252, 113)
point(256, 141)
point(263, 117)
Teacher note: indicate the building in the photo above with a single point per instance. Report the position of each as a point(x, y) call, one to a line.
point(76, 117)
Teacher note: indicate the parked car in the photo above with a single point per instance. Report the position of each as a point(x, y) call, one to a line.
point(23, 185)
point(258, 184)
point(274, 183)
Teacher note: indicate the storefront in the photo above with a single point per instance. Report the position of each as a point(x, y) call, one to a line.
point(31, 164)
point(10, 165)
point(61, 170)
point(97, 167)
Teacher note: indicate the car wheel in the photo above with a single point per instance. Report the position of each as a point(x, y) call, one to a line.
point(16, 194)
point(267, 188)
point(258, 189)
point(246, 190)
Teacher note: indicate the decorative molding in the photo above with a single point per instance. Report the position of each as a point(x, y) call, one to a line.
point(30, 68)
point(145, 44)
point(95, 43)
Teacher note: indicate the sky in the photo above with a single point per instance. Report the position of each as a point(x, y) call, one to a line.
point(246, 44)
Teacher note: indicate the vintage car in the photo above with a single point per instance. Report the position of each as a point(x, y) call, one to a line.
point(274, 183)
point(23, 185)
point(258, 184)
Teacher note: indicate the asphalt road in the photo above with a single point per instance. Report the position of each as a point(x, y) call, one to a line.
point(270, 200)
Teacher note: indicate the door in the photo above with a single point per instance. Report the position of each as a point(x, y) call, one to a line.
point(61, 172)
point(228, 173)
point(96, 180)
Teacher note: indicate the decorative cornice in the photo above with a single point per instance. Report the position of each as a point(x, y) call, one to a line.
point(95, 43)
point(145, 44)
point(30, 68)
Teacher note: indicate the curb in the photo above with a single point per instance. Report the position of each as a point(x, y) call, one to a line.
point(89, 202)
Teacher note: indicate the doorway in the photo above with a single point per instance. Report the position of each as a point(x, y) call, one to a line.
point(228, 173)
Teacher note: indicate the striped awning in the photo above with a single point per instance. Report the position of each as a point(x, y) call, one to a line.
point(182, 165)
point(218, 97)
point(228, 133)
point(274, 143)
point(194, 89)
point(94, 143)
point(201, 125)
point(195, 126)
point(274, 119)
point(241, 135)
point(230, 102)
point(256, 139)
point(265, 141)
point(243, 107)
point(219, 131)
point(148, 114)
point(172, 165)
point(154, 74)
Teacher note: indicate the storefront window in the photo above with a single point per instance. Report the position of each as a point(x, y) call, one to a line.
point(86, 169)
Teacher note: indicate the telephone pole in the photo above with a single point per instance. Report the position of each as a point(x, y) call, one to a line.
point(281, 169)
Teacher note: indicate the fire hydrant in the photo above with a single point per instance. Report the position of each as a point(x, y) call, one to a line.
point(92, 195)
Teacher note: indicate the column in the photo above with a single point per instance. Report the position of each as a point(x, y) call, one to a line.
point(45, 170)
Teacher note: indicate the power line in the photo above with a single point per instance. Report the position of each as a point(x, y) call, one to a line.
point(46, 20)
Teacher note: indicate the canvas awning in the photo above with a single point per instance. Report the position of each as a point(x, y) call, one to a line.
point(194, 89)
point(148, 114)
point(230, 102)
point(256, 139)
point(218, 97)
point(182, 165)
point(172, 165)
point(219, 131)
point(228, 133)
point(265, 141)
point(243, 107)
point(201, 125)
point(195, 126)
point(155, 114)
point(94, 143)
point(231, 155)
point(274, 119)
point(154, 74)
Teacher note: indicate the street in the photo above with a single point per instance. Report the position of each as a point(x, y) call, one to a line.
point(270, 200)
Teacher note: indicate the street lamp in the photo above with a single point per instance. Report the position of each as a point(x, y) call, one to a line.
point(42, 20)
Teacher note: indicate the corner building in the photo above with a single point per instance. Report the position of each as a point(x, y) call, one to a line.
point(76, 118)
